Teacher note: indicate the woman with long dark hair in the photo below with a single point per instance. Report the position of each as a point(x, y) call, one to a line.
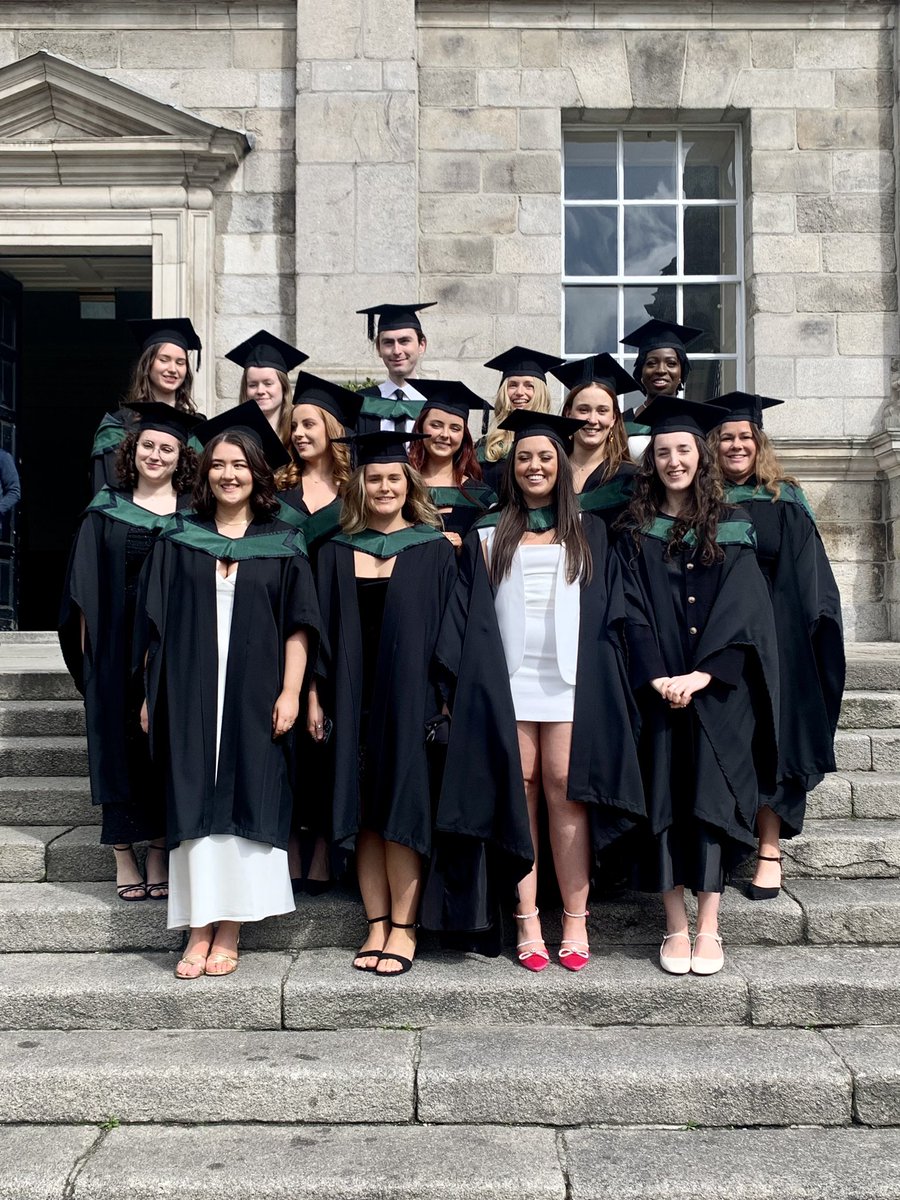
point(807, 608)
point(117, 533)
point(266, 361)
point(446, 457)
point(231, 621)
point(161, 375)
point(523, 385)
point(702, 661)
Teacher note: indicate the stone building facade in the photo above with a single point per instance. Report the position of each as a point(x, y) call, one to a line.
point(322, 157)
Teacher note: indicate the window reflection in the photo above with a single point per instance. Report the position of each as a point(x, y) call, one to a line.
point(591, 241)
point(642, 303)
point(650, 240)
point(708, 165)
point(649, 162)
point(590, 166)
point(590, 319)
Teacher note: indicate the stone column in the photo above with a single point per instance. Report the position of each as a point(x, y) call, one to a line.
point(356, 224)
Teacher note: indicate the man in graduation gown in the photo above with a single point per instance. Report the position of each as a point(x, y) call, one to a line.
point(393, 405)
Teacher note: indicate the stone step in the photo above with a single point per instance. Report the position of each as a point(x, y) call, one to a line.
point(83, 917)
point(23, 851)
point(846, 849)
point(43, 756)
point(29, 718)
point(873, 1056)
point(847, 911)
point(49, 684)
point(867, 749)
point(870, 710)
point(50, 799)
point(873, 666)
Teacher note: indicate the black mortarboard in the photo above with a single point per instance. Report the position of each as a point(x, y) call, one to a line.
point(250, 419)
point(177, 330)
point(393, 316)
point(382, 446)
point(525, 423)
point(673, 414)
point(449, 395)
point(521, 361)
point(165, 418)
point(744, 406)
point(340, 402)
point(263, 349)
point(658, 335)
point(599, 368)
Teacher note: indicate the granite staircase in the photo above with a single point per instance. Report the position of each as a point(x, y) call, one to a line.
point(468, 1078)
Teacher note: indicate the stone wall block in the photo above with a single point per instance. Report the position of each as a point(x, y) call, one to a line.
point(454, 213)
point(863, 171)
point(845, 214)
point(351, 356)
point(599, 66)
point(530, 171)
point(846, 293)
point(711, 65)
point(655, 68)
point(385, 229)
point(539, 295)
point(794, 171)
point(770, 294)
point(447, 88)
point(90, 48)
point(540, 129)
point(239, 213)
point(783, 89)
point(467, 128)
point(540, 216)
point(843, 128)
point(254, 254)
point(772, 213)
point(863, 415)
point(460, 294)
point(339, 35)
point(774, 376)
point(528, 89)
point(540, 331)
point(347, 75)
point(466, 336)
point(863, 89)
point(333, 127)
point(176, 48)
point(868, 333)
point(193, 88)
point(843, 48)
point(858, 252)
point(8, 47)
point(451, 255)
point(273, 128)
point(439, 172)
point(264, 48)
point(468, 47)
point(784, 253)
point(245, 294)
point(400, 74)
point(772, 48)
point(323, 222)
point(521, 255)
point(842, 376)
point(268, 171)
point(773, 129)
point(277, 89)
point(805, 333)
point(539, 48)
point(389, 29)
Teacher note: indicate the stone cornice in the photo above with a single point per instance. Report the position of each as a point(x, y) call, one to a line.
point(829, 460)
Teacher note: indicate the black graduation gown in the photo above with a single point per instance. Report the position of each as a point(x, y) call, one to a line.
point(96, 586)
point(492, 473)
point(483, 840)
point(608, 498)
point(807, 608)
point(108, 437)
point(461, 507)
point(317, 526)
point(395, 801)
point(376, 406)
point(705, 765)
point(249, 794)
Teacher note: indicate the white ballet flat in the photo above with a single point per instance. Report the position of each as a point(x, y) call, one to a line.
point(707, 966)
point(675, 966)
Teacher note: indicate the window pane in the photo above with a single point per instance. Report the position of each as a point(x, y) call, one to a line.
point(650, 240)
point(710, 378)
point(709, 241)
point(708, 165)
point(590, 319)
point(591, 241)
point(649, 160)
point(710, 307)
point(590, 166)
point(642, 303)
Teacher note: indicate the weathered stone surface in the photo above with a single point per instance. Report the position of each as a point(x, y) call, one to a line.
point(23, 851)
point(863, 171)
point(772, 48)
point(453, 88)
point(806, 333)
point(88, 48)
point(35, 684)
point(631, 1075)
point(773, 129)
point(258, 213)
point(866, 911)
point(254, 254)
point(885, 749)
point(457, 294)
point(873, 1056)
point(136, 991)
point(868, 333)
point(539, 216)
point(321, 993)
point(862, 88)
point(539, 47)
point(467, 255)
point(846, 985)
point(772, 294)
point(833, 798)
point(782, 253)
point(441, 172)
point(313, 1161)
point(532, 88)
point(467, 129)
point(582, 50)
point(876, 795)
point(538, 294)
point(842, 376)
point(846, 293)
point(843, 48)
point(338, 37)
point(463, 47)
point(520, 254)
point(262, 49)
point(540, 129)
point(176, 48)
point(25, 718)
point(655, 68)
point(846, 251)
point(844, 213)
point(43, 756)
point(58, 917)
point(263, 295)
point(322, 226)
point(852, 751)
point(870, 710)
point(36, 1162)
point(819, 129)
point(346, 75)
point(193, 87)
point(783, 89)
point(792, 171)
point(85, 1076)
point(522, 172)
point(339, 128)
point(386, 233)
point(57, 800)
point(713, 60)
point(77, 855)
point(452, 213)
point(736, 1164)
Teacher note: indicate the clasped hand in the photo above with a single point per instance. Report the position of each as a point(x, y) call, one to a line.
point(679, 689)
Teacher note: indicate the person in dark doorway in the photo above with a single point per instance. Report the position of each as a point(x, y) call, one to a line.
point(10, 488)
point(395, 404)
point(267, 360)
point(703, 665)
point(96, 628)
point(383, 583)
point(162, 374)
point(661, 368)
point(523, 384)
point(807, 607)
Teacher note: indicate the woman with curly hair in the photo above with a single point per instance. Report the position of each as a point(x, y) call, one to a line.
point(446, 458)
point(162, 375)
point(230, 623)
point(383, 582)
point(807, 607)
point(703, 666)
point(267, 360)
point(523, 385)
point(117, 533)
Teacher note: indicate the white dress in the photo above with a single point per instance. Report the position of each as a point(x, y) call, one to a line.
point(224, 877)
point(539, 692)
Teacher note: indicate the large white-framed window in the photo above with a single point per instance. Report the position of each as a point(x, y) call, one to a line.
point(652, 227)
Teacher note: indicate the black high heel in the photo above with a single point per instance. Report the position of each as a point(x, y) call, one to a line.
point(370, 953)
point(140, 887)
point(405, 963)
point(764, 893)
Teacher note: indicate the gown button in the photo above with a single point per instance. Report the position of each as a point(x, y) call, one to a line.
point(692, 599)
point(693, 629)
point(690, 566)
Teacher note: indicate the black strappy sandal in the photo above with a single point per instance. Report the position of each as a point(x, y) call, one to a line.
point(370, 953)
point(765, 893)
point(140, 886)
point(405, 963)
point(159, 890)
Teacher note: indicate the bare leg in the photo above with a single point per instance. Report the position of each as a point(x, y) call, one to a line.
point(129, 880)
point(223, 952)
point(529, 750)
point(569, 830)
point(404, 874)
point(319, 869)
point(371, 870)
point(677, 922)
point(157, 871)
point(192, 963)
point(768, 874)
point(707, 922)
point(294, 864)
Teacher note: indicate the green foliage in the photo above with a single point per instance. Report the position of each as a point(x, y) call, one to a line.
point(357, 385)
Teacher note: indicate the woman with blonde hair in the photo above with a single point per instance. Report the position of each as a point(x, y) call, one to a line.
point(267, 360)
point(523, 385)
point(383, 582)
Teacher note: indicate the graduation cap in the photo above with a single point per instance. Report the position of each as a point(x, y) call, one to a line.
point(263, 349)
point(340, 402)
point(660, 335)
point(247, 418)
point(382, 446)
point(743, 406)
point(599, 368)
point(175, 330)
point(393, 316)
point(521, 361)
point(165, 418)
point(673, 414)
point(525, 423)
point(450, 396)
